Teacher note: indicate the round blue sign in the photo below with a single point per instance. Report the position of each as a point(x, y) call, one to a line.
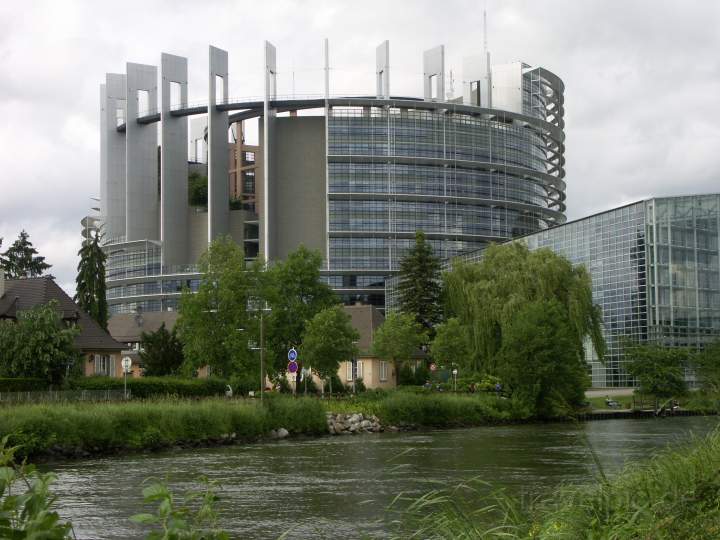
point(292, 354)
point(292, 366)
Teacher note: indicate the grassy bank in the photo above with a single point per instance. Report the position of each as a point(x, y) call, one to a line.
point(675, 494)
point(429, 409)
point(80, 429)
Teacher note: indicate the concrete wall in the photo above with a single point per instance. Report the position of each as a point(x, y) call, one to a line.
point(173, 164)
point(197, 233)
point(142, 219)
point(507, 87)
point(112, 156)
point(218, 166)
point(297, 185)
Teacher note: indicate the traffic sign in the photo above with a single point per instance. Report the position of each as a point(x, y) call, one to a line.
point(292, 354)
point(292, 366)
point(433, 367)
point(126, 364)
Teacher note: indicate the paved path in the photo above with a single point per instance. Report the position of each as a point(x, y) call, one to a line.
point(602, 392)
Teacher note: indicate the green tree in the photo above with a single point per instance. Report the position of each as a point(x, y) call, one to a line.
point(161, 352)
point(215, 324)
point(486, 297)
point(706, 364)
point(38, 344)
point(398, 339)
point(541, 363)
point(419, 287)
point(197, 189)
point(329, 339)
point(21, 259)
point(295, 294)
point(659, 371)
point(451, 343)
point(90, 281)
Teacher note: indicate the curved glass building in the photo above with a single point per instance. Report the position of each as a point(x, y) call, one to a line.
point(351, 176)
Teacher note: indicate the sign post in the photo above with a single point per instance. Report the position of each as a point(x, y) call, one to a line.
point(126, 365)
point(454, 373)
point(293, 366)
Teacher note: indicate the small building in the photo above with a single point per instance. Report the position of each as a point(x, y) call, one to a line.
point(101, 353)
point(374, 372)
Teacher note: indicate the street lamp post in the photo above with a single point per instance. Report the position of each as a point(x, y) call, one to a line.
point(454, 373)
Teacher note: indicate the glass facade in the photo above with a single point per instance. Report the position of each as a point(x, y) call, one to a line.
point(655, 274)
point(463, 179)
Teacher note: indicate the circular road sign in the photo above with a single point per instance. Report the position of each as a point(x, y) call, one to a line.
point(292, 354)
point(126, 364)
point(292, 366)
point(433, 367)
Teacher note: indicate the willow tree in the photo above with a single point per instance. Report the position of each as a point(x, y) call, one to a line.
point(488, 295)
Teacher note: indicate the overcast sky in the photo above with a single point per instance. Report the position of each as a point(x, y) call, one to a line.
point(642, 84)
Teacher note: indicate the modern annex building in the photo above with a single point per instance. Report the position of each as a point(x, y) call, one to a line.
point(655, 268)
point(351, 176)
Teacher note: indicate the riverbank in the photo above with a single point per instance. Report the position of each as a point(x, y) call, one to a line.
point(674, 494)
point(73, 430)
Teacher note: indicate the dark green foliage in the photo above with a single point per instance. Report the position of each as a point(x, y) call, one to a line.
point(148, 425)
point(26, 504)
point(37, 345)
point(660, 371)
point(406, 376)
point(21, 259)
point(328, 339)
point(419, 289)
point(197, 189)
point(148, 387)
point(23, 384)
point(446, 410)
point(90, 281)
point(235, 204)
point(337, 385)
point(248, 381)
point(541, 363)
point(706, 364)
point(215, 324)
point(161, 352)
point(295, 294)
point(398, 339)
point(486, 296)
point(421, 375)
point(452, 344)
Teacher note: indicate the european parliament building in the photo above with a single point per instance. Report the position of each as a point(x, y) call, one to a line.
point(353, 176)
point(655, 273)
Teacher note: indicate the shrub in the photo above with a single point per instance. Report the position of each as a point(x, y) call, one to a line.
point(406, 377)
point(26, 384)
point(146, 387)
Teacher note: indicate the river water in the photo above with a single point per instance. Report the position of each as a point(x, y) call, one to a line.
point(339, 487)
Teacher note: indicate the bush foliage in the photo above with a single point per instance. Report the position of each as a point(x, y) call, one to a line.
point(148, 387)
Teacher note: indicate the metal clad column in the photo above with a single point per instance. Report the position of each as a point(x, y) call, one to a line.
point(268, 118)
point(434, 68)
point(173, 162)
point(218, 166)
point(382, 69)
point(112, 155)
point(141, 157)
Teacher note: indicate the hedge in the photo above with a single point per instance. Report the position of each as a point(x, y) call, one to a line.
point(145, 387)
point(26, 384)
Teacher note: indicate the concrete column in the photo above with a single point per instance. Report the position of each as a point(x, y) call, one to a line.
point(434, 73)
point(267, 216)
point(112, 155)
point(218, 162)
point(142, 217)
point(173, 162)
point(382, 69)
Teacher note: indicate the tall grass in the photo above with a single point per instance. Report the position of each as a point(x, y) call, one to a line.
point(99, 428)
point(674, 495)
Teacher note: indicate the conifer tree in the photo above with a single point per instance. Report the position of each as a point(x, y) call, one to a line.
point(90, 280)
point(22, 260)
point(419, 288)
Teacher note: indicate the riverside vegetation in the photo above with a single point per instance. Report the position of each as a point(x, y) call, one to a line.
point(79, 430)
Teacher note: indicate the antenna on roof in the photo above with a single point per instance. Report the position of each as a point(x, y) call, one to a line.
point(485, 46)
